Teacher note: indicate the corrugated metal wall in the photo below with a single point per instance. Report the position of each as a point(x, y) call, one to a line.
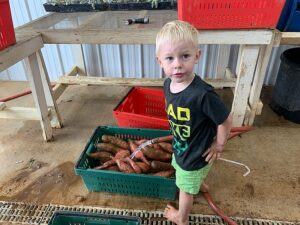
point(122, 60)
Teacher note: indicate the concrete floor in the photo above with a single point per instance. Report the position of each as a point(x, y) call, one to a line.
point(36, 171)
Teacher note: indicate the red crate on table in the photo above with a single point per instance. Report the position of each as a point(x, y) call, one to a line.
point(230, 14)
point(142, 108)
point(7, 32)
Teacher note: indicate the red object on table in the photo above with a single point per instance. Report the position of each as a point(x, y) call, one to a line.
point(230, 14)
point(7, 32)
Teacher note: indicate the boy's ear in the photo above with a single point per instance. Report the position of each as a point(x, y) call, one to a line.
point(198, 53)
point(158, 60)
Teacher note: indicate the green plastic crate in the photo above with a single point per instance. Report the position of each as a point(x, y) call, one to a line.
point(80, 218)
point(123, 183)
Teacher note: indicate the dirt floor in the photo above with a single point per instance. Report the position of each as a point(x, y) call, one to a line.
point(40, 172)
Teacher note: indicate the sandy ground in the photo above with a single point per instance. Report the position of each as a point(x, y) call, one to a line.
point(36, 171)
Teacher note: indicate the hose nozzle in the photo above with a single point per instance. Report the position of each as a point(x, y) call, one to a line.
point(137, 20)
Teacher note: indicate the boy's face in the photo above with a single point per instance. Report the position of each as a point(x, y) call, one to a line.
point(178, 60)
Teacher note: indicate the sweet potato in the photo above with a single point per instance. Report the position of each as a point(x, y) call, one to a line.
point(167, 173)
point(122, 154)
point(167, 147)
point(107, 147)
point(113, 168)
point(144, 167)
point(124, 167)
point(106, 165)
point(115, 141)
point(102, 156)
point(157, 166)
point(132, 145)
point(133, 164)
point(139, 155)
point(155, 154)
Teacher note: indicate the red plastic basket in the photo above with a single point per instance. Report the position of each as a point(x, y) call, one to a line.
point(230, 14)
point(7, 32)
point(142, 108)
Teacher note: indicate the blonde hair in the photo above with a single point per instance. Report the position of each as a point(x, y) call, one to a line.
point(175, 31)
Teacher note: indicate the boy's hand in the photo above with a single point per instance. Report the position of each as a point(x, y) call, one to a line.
point(213, 152)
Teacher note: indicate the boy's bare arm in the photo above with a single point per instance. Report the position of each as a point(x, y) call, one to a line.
point(223, 130)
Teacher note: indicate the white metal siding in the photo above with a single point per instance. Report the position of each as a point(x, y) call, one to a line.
point(118, 60)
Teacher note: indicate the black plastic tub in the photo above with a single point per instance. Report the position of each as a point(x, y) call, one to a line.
point(286, 92)
point(170, 5)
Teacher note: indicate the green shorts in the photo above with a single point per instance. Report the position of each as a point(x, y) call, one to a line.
point(190, 181)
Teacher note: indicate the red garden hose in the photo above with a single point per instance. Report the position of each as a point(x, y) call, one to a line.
point(17, 95)
point(234, 134)
point(241, 129)
point(235, 131)
point(217, 210)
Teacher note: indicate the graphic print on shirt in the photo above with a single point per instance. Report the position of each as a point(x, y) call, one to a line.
point(181, 132)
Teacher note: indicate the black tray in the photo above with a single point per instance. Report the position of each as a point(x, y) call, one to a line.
point(170, 5)
point(81, 218)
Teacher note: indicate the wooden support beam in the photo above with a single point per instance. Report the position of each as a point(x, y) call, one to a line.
point(60, 88)
point(147, 36)
point(36, 84)
point(217, 83)
point(222, 60)
point(13, 54)
point(56, 121)
point(21, 113)
point(79, 59)
point(258, 79)
point(243, 84)
point(229, 74)
point(259, 107)
point(247, 115)
point(290, 38)
point(251, 113)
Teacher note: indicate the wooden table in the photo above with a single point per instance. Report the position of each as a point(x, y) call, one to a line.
point(46, 112)
point(108, 28)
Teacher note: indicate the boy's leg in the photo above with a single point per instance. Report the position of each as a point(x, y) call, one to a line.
point(180, 216)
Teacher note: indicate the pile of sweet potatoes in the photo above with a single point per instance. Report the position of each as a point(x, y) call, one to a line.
point(113, 153)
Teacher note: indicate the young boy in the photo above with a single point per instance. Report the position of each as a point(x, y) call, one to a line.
point(199, 121)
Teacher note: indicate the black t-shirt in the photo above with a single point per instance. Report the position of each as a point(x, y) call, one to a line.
point(193, 115)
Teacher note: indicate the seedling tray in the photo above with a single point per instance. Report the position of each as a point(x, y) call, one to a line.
point(80, 218)
point(169, 5)
point(119, 182)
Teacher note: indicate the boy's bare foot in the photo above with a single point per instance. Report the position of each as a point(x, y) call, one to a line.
point(171, 213)
point(204, 187)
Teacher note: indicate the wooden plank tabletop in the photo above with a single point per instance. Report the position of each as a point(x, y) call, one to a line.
point(290, 38)
point(108, 27)
point(25, 46)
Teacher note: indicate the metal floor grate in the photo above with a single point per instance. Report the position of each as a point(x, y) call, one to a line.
point(31, 213)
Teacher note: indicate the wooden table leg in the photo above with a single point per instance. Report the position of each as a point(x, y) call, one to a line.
point(36, 84)
point(56, 121)
point(258, 81)
point(245, 73)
